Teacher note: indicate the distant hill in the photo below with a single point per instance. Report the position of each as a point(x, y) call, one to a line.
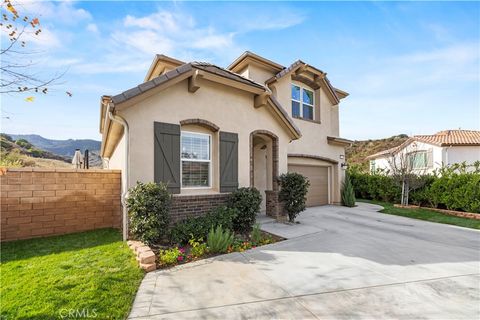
point(360, 149)
point(21, 153)
point(62, 150)
point(60, 147)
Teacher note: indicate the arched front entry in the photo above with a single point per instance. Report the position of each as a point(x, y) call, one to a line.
point(264, 166)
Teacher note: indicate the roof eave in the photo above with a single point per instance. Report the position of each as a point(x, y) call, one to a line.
point(255, 57)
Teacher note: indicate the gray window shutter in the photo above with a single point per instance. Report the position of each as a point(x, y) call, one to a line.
point(430, 158)
point(228, 161)
point(167, 155)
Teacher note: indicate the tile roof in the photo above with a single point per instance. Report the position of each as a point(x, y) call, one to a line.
point(443, 138)
point(225, 73)
point(205, 66)
point(452, 138)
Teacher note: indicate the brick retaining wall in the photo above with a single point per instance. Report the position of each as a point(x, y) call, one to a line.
point(186, 206)
point(38, 202)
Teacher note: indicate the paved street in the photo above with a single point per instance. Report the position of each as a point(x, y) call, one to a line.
point(338, 263)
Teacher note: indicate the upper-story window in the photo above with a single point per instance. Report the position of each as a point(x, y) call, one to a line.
point(302, 102)
point(196, 160)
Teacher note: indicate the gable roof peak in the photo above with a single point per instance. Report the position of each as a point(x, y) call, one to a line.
point(249, 55)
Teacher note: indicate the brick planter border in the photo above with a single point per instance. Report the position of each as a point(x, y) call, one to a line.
point(144, 255)
point(461, 214)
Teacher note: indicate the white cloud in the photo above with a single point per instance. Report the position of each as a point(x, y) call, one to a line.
point(136, 39)
point(92, 27)
point(60, 12)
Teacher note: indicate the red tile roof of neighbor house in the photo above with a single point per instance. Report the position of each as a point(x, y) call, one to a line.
point(452, 138)
point(443, 138)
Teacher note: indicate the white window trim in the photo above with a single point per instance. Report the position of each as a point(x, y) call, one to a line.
point(196, 160)
point(302, 103)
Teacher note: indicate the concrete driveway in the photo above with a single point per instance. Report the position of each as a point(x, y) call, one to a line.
point(338, 263)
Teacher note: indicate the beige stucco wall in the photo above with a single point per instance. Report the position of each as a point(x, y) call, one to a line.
point(230, 109)
point(258, 74)
point(314, 134)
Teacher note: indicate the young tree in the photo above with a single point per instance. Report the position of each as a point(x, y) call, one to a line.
point(405, 170)
point(16, 57)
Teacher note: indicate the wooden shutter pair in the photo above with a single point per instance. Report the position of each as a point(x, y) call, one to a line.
point(167, 157)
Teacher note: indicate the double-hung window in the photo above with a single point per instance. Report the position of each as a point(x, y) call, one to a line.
point(196, 160)
point(302, 102)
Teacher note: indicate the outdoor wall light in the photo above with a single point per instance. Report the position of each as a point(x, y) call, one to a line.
point(342, 156)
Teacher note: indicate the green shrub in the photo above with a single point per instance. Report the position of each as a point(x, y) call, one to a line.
point(293, 193)
point(256, 234)
point(170, 256)
point(198, 227)
point(378, 186)
point(456, 187)
point(218, 240)
point(198, 248)
point(247, 202)
point(148, 207)
point(24, 143)
point(348, 194)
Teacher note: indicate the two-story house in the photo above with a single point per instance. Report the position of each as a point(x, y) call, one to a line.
point(207, 130)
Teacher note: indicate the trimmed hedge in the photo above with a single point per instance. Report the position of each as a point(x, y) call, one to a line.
point(148, 209)
point(456, 187)
point(199, 227)
point(247, 203)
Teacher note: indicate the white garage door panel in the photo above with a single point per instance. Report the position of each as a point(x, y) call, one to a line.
point(318, 176)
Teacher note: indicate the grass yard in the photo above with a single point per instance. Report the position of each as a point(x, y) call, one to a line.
point(91, 274)
point(425, 214)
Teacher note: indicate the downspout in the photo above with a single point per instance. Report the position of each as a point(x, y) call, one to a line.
point(121, 121)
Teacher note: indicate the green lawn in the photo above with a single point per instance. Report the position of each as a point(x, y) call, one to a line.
point(90, 274)
point(425, 214)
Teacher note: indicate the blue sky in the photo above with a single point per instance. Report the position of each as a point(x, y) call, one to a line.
point(410, 67)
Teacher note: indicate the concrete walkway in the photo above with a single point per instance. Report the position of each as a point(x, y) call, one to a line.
point(338, 263)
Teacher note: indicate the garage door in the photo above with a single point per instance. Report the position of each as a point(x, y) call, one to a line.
point(318, 192)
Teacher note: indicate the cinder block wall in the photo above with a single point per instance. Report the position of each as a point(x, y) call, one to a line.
point(37, 202)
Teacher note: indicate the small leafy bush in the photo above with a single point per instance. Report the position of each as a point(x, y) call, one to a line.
point(148, 207)
point(218, 240)
point(348, 194)
point(198, 248)
point(171, 256)
point(247, 203)
point(198, 227)
point(256, 235)
point(293, 193)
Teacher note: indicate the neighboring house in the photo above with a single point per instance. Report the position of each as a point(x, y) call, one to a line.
point(207, 130)
point(426, 153)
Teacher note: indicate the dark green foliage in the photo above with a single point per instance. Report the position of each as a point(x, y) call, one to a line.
point(375, 186)
point(293, 193)
point(219, 239)
point(148, 207)
point(348, 194)
point(199, 227)
point(24, 144)
point(247, 202)
point(6, 137)
point(456, 187)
